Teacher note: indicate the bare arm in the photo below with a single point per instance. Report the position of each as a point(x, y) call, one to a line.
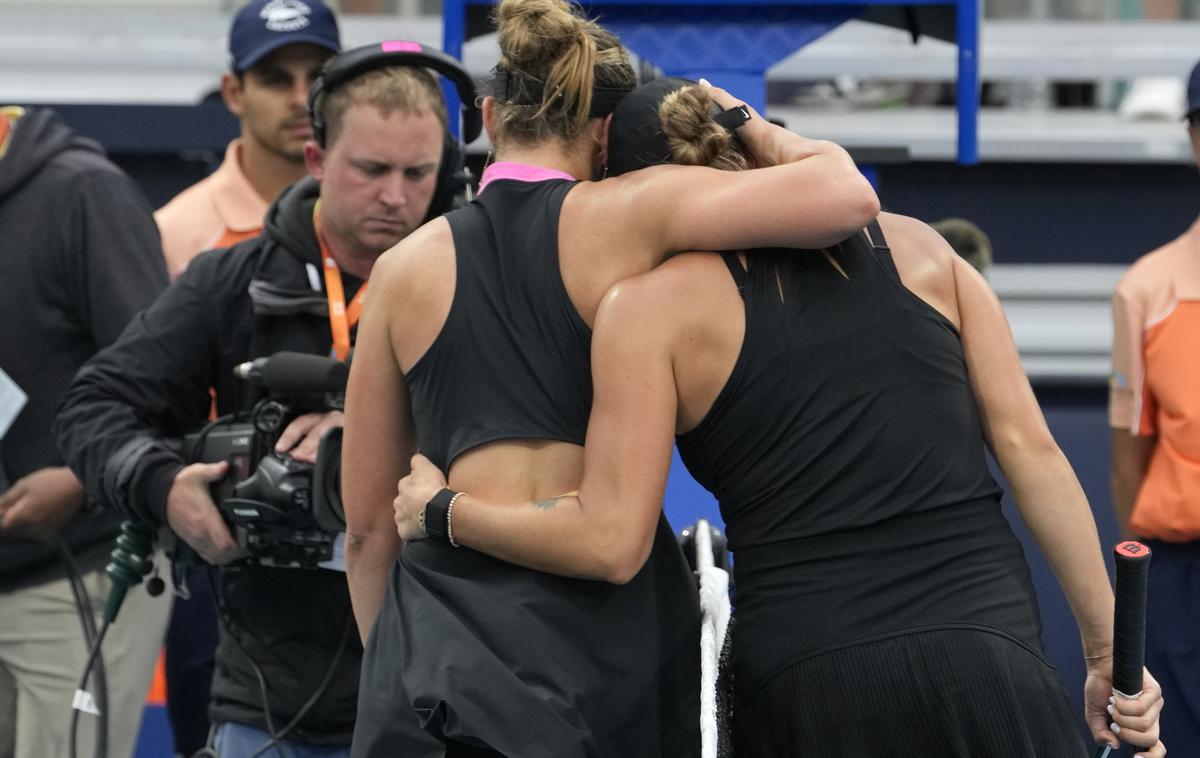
point(1133, 436)
point(1051, 502)
point(378, 442)
point(1130, 459)
point(805, 194)
point(1047, 493)
point(818, 199)
point(1046, 490)
point(606, 531)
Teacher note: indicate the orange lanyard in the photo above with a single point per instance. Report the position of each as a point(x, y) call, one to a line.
point(341, 316)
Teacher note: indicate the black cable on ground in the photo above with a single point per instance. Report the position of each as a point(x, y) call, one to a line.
point(83, 606)
point(102, 727)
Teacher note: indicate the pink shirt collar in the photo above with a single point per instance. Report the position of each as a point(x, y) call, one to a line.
point(521, 172)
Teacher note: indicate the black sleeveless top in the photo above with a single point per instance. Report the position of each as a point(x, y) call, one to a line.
point(848, 458)
point(512, 360)
point(492, 654)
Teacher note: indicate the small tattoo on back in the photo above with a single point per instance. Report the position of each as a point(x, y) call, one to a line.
point(547, 504)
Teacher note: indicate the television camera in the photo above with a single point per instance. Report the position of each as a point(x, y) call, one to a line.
point(282, 512)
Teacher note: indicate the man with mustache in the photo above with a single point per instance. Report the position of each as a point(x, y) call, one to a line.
point(276, 50)
point(289, 650)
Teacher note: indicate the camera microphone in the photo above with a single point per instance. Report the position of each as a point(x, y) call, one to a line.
point(292, 373)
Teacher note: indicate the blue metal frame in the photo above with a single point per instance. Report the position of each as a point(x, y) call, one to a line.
point(967, 18)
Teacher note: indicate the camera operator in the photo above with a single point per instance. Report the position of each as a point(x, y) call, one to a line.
point(379, 167)
point(274, 57)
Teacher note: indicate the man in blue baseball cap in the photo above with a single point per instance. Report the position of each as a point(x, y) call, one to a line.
point(1154, 413)
point(264, 26)
point(276, 49)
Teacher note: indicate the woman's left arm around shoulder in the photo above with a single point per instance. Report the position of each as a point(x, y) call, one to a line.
point(1051, 502)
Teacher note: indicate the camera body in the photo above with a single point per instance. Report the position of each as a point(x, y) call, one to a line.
point(282, 512)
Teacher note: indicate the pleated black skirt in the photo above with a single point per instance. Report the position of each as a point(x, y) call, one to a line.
point(945, 693)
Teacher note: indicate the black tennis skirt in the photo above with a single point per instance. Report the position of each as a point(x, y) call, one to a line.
point(470, 652)
point(940, 693)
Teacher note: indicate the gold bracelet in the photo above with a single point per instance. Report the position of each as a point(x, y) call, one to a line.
point(449, 521)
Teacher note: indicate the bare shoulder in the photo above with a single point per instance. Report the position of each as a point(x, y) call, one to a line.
point(678, 282)
point(624, 197)
point(413, 283)
point(668, 298)
point(409, 271)
point(421, 254)
point(638, 195)
point(925, 261)
point(915, 241)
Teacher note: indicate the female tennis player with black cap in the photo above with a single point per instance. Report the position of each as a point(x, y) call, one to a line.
point(838, 404)
point(475, 342)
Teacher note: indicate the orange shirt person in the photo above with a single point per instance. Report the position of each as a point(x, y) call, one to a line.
point(1154, 404)
point(1154, 412)
point(273, 63)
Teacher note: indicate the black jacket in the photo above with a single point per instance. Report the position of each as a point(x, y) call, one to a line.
point(228, 307)
point(79, 256)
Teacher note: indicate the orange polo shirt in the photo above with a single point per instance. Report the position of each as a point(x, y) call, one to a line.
point(1155, 385)
point(218, 211)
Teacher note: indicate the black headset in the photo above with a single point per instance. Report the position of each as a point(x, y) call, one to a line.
point(453, 180)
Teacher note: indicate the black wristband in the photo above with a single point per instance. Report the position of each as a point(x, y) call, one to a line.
point(437, 509)
point(733, 118)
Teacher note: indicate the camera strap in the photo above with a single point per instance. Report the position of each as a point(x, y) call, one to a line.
point(342, 317)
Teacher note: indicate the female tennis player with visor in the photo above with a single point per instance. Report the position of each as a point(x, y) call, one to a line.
point(838, 405)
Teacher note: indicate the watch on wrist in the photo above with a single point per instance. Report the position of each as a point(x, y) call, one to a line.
point(733, 118)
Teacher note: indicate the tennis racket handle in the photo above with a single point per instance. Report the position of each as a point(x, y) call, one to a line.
point(1132, 561)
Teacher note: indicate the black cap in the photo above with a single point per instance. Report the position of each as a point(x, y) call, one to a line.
point(635, 137)
point(1193, 92)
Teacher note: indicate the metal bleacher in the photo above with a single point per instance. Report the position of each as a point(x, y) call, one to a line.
point(165, 56)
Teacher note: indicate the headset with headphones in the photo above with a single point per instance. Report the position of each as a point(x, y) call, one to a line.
point(453, 180)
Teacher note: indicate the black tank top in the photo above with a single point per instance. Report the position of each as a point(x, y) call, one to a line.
point(494, 654)
point(848, 458)
point(512, 360)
